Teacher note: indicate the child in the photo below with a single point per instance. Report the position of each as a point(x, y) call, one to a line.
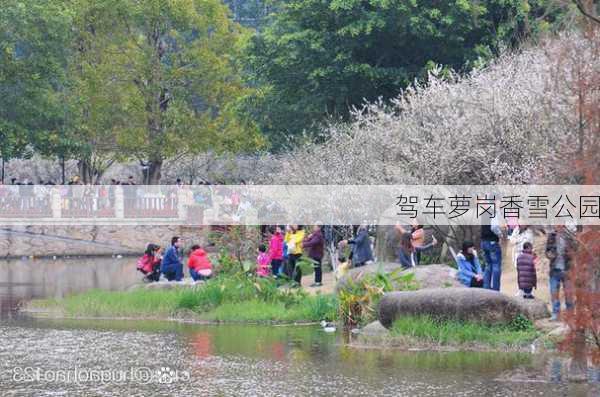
point(263, 262)
point(527, 276)
point(149, 264)
point(199, 264)
point(342, 268)
point(276, 250)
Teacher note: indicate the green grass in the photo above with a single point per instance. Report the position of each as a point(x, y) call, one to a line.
point(425, 329)
point(232, 298)
point(313, 309)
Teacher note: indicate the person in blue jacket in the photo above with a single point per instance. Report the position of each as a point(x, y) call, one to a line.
point(172, 265)
point(469, 269)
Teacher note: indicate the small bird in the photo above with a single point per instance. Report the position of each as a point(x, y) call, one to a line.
point(328, 327)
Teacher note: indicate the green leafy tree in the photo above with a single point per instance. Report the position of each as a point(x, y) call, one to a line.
point(319, 58)
point(94, 99)
point(174, 65)
point(33, 50)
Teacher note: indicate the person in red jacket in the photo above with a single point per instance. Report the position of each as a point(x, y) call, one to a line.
point(276, 250)
point(199, 264)
point(149, 264)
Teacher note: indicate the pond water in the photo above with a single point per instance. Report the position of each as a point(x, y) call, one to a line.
point(40, 357)
point(27, 278)
point(242, 360)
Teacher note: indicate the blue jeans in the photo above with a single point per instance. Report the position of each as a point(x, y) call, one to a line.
point(173, 272)
point(556, 278)
point(493, 264)
point(197, 276)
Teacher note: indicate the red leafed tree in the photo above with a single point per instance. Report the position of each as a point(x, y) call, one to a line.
point(583, 338)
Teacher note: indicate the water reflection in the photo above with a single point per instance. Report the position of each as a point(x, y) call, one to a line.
point(23, 279)
point(252, 360)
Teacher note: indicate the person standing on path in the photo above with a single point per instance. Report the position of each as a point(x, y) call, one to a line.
point(315, 243)
point(276, 250)
point(527, 277)
point(560, 249)
point(294, 243)
point(490, 245)
point(361, 247)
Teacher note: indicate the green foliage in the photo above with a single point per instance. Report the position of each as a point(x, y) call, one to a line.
point(521, 323)
point(359, 299)
point(224, 298)
point(238, 244)
point(439, 332)
point(177, 61)
point(320, 58)
point(33, 52)
point(102, 81)
point(306, 265)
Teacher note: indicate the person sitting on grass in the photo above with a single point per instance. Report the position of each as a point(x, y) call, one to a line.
point(527, 277)
point(149, 264)
point(172, 266)
point(469, 269)
point(263, 262)
point(199, 264)
point(407, 252)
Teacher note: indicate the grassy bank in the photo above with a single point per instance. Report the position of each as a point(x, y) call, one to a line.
point(222, 299)
point(427, 331)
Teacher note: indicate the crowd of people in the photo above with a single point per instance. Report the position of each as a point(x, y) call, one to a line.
point(281, 252)
point(279, 256)
point(559, 249)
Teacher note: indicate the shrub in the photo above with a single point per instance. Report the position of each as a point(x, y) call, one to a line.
point(359, 300)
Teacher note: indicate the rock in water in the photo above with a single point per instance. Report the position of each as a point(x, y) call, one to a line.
point(374, 329)
point(462, 304)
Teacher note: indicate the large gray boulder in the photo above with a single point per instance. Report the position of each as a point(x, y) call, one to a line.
point(434, 276)
point(462, 304)
point(358, 273)
point(164, 285)
point(426, 276)
point(534, 309)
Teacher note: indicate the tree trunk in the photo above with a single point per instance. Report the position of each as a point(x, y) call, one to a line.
point(152, 174)
point(62, 169)
point(2, 179)
point(386, 241)
point(86, 171)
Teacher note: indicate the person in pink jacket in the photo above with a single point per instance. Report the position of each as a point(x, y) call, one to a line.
point(263, 262)
point(276, 250)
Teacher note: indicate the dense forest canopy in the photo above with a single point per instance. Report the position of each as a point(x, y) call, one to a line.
point(151, 81)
